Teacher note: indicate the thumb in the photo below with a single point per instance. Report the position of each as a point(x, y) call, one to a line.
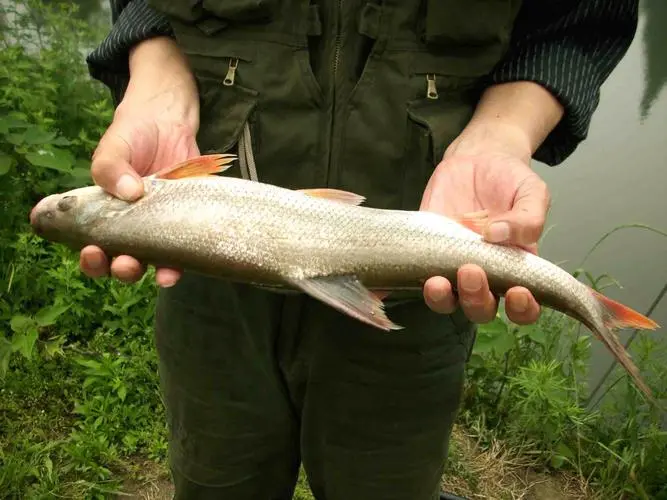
point(111, 168)
point(524, 223)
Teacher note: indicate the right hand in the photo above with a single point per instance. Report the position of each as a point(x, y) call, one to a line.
point(154, 127)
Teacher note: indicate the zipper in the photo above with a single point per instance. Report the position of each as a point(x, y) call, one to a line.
point(332, 169)
point(337, 49)
point(246, 156)
point(431, 88)
point(231, 72)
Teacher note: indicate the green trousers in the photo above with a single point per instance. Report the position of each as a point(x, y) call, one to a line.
point(256, 383)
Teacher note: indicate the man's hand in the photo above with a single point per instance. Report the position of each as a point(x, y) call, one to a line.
point(488, 167)
point(153, 127)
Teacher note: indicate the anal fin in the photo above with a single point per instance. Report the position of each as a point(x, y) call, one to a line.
point(349, 296)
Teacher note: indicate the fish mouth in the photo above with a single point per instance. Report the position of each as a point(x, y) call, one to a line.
point(42, 212)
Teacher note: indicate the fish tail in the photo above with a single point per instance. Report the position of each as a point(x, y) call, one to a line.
point(614, 316)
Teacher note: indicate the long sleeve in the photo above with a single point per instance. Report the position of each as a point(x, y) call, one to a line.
point(570, 48)
point(133, 21)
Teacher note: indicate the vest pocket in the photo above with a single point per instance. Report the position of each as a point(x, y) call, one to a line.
point(226, 112)
point(469, 22)
point(434, 121)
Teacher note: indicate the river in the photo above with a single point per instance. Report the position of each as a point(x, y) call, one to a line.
point(618, 175)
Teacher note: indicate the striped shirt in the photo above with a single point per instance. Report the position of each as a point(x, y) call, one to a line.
point(568, 47)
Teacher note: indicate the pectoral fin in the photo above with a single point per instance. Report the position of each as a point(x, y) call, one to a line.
point(348, 295)
point(475, 221)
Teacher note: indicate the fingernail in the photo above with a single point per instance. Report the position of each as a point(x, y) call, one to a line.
point(94, 262)
point(499, 232)
point(520, 303)
point(127, 187)
point(168, 282)
point(471, 281)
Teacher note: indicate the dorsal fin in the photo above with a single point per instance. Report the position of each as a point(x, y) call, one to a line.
point(200, 166)
point(334, 195)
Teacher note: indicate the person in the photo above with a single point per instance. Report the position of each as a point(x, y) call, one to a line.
point(432, 105)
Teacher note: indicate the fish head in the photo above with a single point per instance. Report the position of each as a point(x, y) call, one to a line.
point(70, 217)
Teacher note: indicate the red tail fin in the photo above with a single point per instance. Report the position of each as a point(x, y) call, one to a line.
point(616, 315)
point(620, 316)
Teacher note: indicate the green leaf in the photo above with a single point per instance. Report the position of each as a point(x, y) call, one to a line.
point(79, 176)
point(122, 392)
point(89, 363)
point(54, 347)
point(6, 162)
point(88, 381)
point(11, 122)
point(15, 138)
point(20, 323)
point(557, 461)
point(48, 464)
point(565, 450)
point(535, 333)
point(48, 315)
point(36, 135)
point(61, 141)
point(494, 336)
point(495, 327)
point(53, 158)
point(24, 343)
point(5, 354)
point(475, 361)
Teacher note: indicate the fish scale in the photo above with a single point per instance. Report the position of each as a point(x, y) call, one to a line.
point(321, 242)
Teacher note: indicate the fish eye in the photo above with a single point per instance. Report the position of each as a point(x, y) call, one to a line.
point(66, 203)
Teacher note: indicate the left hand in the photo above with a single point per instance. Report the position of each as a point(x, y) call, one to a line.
point(488, 171)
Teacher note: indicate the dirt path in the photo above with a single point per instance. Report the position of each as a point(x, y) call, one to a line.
point(475, 474)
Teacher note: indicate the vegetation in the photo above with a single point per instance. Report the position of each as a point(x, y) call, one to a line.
point(80, 408)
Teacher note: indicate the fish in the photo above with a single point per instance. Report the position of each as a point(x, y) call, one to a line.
point(322, 242)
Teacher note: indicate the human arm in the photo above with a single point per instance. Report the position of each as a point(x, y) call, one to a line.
point(133, 21)
point(538, 104)
point(154, 125)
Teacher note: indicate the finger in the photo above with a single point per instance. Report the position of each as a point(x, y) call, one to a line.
point(166, 277)
point(475, 298)
point(127, 269)
point(439, 296)
point(524, 223)
point(93, 262)
point(111, 168)
point(521, 307)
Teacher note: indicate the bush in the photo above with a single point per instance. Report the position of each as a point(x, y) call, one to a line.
point(77, 364)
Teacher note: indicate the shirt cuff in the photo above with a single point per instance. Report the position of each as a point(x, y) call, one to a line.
point(573, 72)
point(109, 62)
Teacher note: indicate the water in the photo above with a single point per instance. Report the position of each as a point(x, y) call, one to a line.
point(619, 176)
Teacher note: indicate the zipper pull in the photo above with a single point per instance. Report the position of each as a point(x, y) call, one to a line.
point(432, 90)
point(231, 72)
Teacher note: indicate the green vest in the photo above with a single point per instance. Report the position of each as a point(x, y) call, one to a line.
point(352, 94)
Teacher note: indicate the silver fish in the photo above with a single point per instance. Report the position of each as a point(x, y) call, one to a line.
point(319, 241)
